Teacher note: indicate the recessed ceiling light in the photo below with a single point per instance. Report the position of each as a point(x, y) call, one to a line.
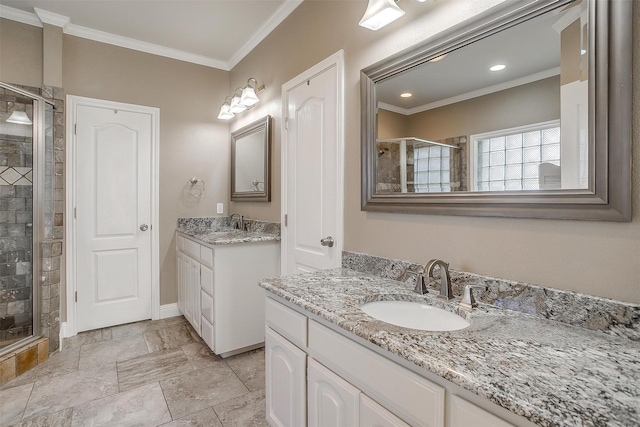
point(498, 67)
point(406, 95)
point(421, 1)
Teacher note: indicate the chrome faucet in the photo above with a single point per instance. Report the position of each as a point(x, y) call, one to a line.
point(237, 220)
point(445, 280)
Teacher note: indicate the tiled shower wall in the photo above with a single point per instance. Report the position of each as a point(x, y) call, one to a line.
point(51, 248)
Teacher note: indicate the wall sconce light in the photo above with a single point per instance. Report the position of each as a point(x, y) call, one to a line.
point(380, 13)
point(19, 117)
point(241, 100)
point(225, 110)
point(236, 106)
point(249, 96)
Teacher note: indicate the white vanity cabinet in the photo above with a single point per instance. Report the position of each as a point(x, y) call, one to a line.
point(218, 291)
point(348, 384)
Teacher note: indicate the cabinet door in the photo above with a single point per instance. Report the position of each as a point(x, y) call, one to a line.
point(285, 371)
point(193, 294)
point(465, 414)
point(332, 401)
point(374, 415)
point(182, 283)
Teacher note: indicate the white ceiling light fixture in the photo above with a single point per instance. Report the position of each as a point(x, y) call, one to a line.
point(236, 106)
point(249, 94)
point(380, 13)
point(498, 67)
point(406, 95)
point(19, 117)
point(225, 110)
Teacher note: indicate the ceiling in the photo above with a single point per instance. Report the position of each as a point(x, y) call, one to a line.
point(216, 33)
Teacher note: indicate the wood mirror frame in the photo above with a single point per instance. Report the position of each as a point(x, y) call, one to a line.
point(608, 197)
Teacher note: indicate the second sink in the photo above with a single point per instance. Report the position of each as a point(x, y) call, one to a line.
point(414, 315)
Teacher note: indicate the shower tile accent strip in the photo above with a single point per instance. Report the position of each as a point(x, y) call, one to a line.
point(586, 311)
point(18, 362)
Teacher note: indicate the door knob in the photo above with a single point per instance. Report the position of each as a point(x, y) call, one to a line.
point(144, 227)
point(327, 241)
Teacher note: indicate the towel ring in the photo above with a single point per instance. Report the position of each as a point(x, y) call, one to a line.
point(196, 190)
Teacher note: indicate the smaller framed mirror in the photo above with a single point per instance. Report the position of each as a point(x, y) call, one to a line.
point(250, 162)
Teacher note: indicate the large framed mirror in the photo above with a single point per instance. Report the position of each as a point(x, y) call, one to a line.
point(526, 113)
point(250, 162)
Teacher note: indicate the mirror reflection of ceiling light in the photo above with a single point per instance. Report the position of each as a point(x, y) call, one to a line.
point(583, 51)
point(19, 117)
point(498, 67)
point(380, 13)
point(406, 95)
point(438, 58)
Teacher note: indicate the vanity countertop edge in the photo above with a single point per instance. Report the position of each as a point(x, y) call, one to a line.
point(551, 373)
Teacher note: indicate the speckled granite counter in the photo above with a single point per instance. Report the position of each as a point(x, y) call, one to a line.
point(220, 231)
point(551, 373)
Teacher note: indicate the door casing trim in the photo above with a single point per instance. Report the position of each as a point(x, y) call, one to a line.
point(335, 60)
point(72, 103)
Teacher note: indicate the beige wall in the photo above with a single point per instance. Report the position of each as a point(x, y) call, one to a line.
point(535, 102)
point(192, 141)
point(391, 125)
point(592, 257)
point(20, 53)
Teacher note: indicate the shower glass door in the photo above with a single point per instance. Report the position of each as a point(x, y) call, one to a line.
point(19, 134)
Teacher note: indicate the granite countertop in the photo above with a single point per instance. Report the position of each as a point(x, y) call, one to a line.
point(551, 373)
point(220, 230)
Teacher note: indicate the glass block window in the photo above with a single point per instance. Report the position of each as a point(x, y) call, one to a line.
point(432, 169)
point(510, 159)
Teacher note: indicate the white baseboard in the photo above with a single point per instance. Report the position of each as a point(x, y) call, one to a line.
point(169, 310)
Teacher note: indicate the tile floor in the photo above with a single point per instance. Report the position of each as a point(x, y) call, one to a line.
point(152, 373)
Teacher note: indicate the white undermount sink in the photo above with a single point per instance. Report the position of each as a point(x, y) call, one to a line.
point(414, 315)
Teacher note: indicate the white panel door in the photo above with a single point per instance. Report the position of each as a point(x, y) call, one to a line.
point(333, 402)
point(313, 161)
point(113, 200)
point(285, 372)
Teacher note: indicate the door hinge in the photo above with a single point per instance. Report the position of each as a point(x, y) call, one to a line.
point(75, 212)
point(76, 296)
point(75, 129)
point(286, 219)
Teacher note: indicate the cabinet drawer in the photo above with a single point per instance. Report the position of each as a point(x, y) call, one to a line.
point(206, 255)
point(206, 279)
point(192, 249)
point(207, 333)
point(372, 414)
point(289, 323)
point(408, 395)
point(206, 304)
point(465, 413)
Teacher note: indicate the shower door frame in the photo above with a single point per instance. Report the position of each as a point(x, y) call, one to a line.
point(38, 141)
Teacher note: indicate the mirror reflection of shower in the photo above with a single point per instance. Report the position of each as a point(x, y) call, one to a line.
point(257, 185)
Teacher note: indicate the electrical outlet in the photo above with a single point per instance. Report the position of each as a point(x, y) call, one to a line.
point(220, 208)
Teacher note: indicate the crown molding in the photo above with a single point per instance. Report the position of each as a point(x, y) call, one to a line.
point(473, 94)
point(154, 49)
point(17, 15)
point(42, 16)
point(52, 18)
point(265, 29)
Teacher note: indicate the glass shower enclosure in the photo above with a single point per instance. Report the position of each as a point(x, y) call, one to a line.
point(26, 148)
